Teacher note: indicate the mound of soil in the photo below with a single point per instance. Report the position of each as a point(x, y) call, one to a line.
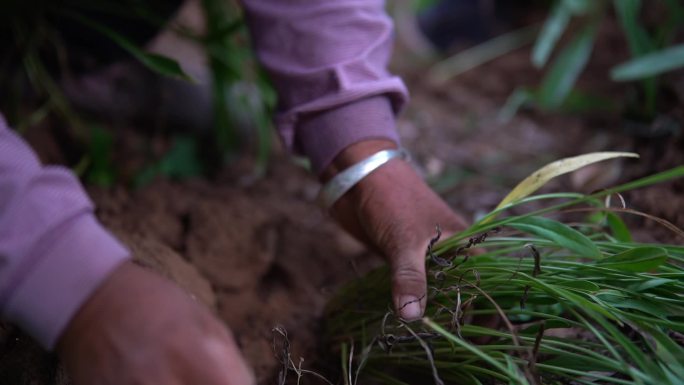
point(261, 256)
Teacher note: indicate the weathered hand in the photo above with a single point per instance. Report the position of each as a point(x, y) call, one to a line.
point(394, 211)
point(140, 329)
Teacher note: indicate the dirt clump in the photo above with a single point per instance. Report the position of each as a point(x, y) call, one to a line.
point(264, 255)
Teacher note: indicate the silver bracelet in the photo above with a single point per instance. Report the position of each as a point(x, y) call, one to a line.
point(345, 180)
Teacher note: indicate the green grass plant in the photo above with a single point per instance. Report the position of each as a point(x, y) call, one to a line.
point(38, 55)
point(558, 295)
point(652, 45)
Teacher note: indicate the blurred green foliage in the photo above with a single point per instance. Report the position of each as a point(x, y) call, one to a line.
point(651, 45)
point(157, 63)
point(38, 39)
point(181, 161)
point(237, 80)
point(99, 157)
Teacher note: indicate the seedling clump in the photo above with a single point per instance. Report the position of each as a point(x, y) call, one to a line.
point(540, 301)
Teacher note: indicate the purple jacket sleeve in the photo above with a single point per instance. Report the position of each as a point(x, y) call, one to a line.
point(53, 252)
point(328, 61)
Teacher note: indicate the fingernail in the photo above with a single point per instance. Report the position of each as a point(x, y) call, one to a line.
point(409, 308)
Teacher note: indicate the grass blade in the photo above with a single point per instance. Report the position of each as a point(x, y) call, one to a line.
point(553, 28)
point(157, 63)
point(655, 63)
point(540, 177)
point(578, 7)
point(558, 233)
point(471, 348)
point(618, 228)
point(562, 76)
point(637, 37)
point(476, 56)
point(639, 259)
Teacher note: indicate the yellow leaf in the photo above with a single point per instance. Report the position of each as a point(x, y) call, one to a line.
point(563, 166)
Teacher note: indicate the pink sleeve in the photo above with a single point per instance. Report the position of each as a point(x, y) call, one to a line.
point(328, 62)
point(53, 252)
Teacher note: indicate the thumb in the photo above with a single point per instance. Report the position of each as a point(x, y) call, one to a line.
point(409, 283)
point(224, 364)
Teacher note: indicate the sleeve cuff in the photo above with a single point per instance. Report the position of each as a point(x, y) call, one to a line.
point(79, 258)
point(322, 135)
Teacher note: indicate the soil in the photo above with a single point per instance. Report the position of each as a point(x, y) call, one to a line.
point(262, 254)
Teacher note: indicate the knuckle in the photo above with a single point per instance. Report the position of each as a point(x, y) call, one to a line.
point(408, 275)
point(394, 237)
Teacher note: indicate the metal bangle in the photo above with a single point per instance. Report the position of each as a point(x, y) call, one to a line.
point(345, 180)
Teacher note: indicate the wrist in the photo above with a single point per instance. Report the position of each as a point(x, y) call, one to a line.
point(360, 170)
point(355, 153)
point(109, 300)
point(323, 135)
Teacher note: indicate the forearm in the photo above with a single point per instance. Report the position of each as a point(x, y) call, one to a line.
point(53, 252)
point(327, 60)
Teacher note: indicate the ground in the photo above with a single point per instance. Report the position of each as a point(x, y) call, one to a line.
point(262, 254)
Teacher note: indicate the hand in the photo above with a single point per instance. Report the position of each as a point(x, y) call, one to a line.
point(394, 211)
point(140, 329)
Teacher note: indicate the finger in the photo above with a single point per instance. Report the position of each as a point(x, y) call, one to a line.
point(409, 283)
point(221, 364)
point(345, 214)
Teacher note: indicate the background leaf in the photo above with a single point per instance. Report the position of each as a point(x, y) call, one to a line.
point(637, 37)
point(652, 64)
point(553, 28)
point(562, 76)
point(579, 7)
point(100, 170)
point(181, 161)
point(157, 63)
